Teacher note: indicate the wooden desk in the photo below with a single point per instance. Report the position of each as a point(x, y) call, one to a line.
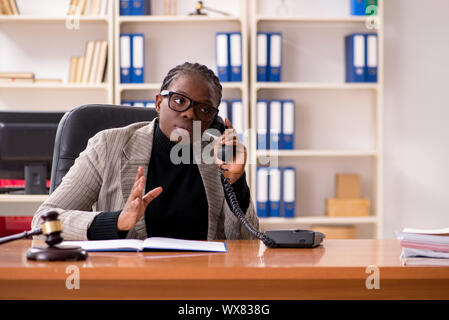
point(248, 271)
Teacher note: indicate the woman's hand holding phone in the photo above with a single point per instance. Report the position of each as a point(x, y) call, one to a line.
point(233, 164)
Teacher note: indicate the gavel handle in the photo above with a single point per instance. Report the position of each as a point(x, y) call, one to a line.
point(22, 235)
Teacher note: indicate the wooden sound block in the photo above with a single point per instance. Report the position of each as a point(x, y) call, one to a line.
point(56, 253)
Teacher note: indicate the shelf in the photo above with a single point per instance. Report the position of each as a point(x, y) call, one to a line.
point(312, 85)
point(291, 222)
point(139, 86)
point(52, 19)
point(262, 18)
point(157, 86)
point(181, 19)
point(316, 153)
point(28, 198)
point(53, 86)
point(20, 205)
point(309, 92)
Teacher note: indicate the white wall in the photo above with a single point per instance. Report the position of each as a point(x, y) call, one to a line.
point(416, 132)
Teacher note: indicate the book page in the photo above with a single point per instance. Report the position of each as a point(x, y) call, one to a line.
point(188, 245)
point(107, 245)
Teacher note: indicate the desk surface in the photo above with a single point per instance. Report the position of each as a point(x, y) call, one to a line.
point(337, 270)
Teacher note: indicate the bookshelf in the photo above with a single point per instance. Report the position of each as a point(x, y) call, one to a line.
point(338, 125)
point(42, 39)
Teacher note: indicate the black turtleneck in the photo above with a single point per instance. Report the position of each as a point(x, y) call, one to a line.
point(181, 210)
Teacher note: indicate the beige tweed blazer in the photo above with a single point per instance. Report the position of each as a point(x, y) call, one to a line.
point(102, 176)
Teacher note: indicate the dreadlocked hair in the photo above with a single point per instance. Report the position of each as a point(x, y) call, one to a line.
point(189, 68)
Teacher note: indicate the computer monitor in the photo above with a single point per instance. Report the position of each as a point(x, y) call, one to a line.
point(26, 147)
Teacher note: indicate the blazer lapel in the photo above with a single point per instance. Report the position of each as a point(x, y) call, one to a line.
point(214, 194)
point(137, 152)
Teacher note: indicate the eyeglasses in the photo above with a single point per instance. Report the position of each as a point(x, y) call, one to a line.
point(180, 103)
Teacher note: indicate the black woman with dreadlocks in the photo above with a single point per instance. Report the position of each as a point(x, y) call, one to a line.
point(129, 182)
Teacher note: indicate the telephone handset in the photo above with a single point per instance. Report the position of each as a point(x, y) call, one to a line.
point(272, 238)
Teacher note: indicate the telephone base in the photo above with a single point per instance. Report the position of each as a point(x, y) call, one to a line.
point(295, 238)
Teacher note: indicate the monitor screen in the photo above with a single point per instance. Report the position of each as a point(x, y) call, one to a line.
point(26, 148)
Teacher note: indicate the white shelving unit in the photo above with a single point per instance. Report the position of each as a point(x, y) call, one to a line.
point(338, 125)
point(42, 40)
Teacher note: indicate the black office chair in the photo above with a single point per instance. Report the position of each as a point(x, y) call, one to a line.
point(78, 125)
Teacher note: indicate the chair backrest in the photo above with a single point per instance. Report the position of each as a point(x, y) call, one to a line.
point(78, 125)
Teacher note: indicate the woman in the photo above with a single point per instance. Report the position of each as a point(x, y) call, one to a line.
point(102, 196)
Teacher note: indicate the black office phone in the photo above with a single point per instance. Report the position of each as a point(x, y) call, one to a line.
point(272, 238)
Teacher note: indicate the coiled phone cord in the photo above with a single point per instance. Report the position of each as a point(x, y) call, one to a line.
point(230, 195)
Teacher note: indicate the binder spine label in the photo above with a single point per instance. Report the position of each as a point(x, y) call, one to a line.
point(262, 57)
point(275, 124)
point(275, 64)
point(358, 7)
point(237, 115)
point(125, 58)
point(371, 58)
point(355, 58)
point(262, 124)
point(262, 192)
point(288, 192)
point(223, 109)
point(288, 125)
point(138, 52)
point(137, 7)
point(222, 47)
point(235, 43)
point(125, 7)
point(275, 192)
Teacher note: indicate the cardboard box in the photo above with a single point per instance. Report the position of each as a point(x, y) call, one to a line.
point(337, 232)
point(358, 207)
point(347, 186)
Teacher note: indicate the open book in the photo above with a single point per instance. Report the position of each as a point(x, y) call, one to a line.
point(167, 244)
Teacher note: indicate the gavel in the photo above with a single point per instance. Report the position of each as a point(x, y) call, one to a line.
point(51, 228)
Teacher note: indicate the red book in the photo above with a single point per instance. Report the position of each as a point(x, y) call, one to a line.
point(16, 183)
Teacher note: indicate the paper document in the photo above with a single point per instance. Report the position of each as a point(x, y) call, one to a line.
point(417, 261)
point(444, 231)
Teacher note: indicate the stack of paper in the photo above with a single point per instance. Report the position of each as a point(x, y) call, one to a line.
point(424, 247)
